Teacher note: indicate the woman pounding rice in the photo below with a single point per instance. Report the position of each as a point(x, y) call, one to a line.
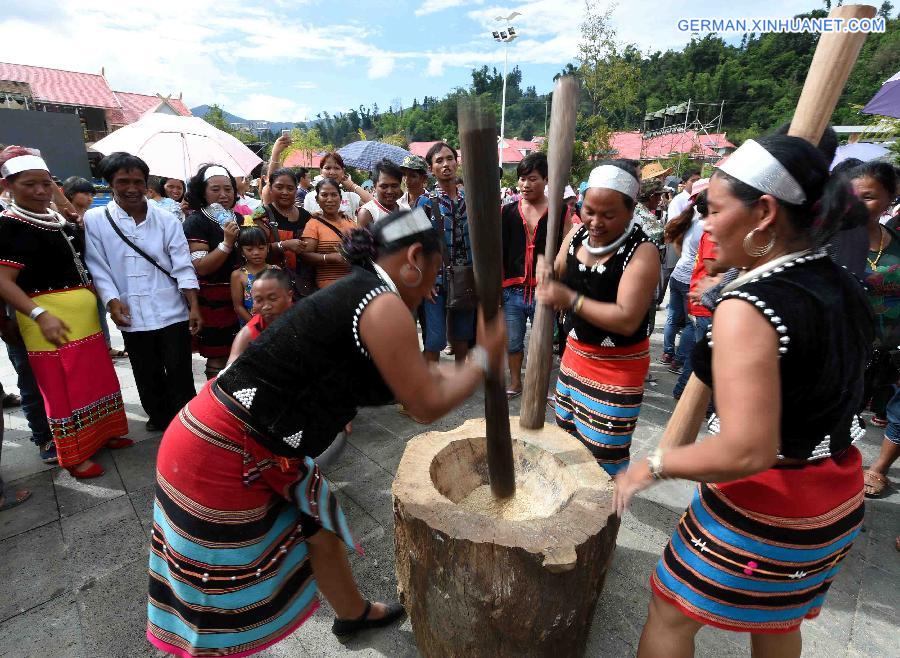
point(608, 270)
point(245, 526)
point(781, 494)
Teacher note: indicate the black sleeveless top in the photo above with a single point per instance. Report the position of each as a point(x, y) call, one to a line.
point(601, 282)
point(303, 379)
point(826, 328)
point(519, 263)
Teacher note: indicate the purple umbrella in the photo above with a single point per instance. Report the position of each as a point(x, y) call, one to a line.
point(364, 155)
point(886, 102)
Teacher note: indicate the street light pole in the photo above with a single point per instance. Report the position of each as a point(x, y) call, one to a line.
point(503, 105)
point(504, 37)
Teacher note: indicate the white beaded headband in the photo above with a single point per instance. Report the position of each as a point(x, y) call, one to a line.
point(611, 177)
point(753, 165)
point(214, 171)
point(409, 223)
point(22, 163)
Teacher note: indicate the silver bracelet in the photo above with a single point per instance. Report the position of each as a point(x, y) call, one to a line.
point(35, 312)
point(224, 247)
point(654, 460)
point(479, 357)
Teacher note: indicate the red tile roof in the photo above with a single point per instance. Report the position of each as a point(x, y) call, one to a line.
point(303, 159)
point(512, 154)
point(63, 87)
point(134, 106)
point(631, 145)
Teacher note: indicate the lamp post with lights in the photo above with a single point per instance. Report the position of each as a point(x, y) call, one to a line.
point(505, 37)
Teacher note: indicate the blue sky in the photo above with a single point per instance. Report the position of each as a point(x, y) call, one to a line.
point(286, 60)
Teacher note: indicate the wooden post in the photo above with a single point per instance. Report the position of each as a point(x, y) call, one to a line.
point(559, 164)
point(478, 139)
point(832, 62)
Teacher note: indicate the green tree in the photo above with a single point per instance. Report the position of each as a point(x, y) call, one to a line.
point(397, 139)
point(216, 117)
point(308, 141)
point(610, 72)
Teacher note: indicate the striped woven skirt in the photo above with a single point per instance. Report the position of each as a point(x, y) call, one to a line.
point(598, 397)
point(81, 392)
point(220, 322)
point(229, 569)
point(759, 554)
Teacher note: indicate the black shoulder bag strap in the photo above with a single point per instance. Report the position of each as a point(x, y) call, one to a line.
point(329, 225)
point(137, 249)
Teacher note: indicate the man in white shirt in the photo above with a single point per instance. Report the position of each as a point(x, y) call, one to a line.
point(682, 199)
point(152, 298)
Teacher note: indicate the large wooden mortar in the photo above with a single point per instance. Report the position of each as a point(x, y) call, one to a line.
point(481, 576)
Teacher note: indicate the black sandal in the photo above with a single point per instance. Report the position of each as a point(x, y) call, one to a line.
point(344, 628)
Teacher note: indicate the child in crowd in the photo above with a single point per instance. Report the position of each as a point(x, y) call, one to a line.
point(272, 295)
point(254, 249)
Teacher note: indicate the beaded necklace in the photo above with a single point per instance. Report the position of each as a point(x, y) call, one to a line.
point(612, 246)
point(50, 220)
point(41, 220)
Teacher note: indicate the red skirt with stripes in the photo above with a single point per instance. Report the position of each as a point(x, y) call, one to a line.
point(759, 554)
point(220, 322)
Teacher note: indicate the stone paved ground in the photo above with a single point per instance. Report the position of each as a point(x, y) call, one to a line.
point(74, 558)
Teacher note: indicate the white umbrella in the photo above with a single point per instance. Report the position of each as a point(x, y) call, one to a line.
point(864, 151)
point(176, 146)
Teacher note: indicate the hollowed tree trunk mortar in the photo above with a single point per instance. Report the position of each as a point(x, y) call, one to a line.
point(483, 577)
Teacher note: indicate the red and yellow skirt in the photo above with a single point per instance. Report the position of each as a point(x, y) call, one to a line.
point(78, 382)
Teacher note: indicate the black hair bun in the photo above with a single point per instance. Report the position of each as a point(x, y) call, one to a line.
point(358, 247)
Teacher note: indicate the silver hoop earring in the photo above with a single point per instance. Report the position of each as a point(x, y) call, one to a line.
point(417, 282)
point(757, 252)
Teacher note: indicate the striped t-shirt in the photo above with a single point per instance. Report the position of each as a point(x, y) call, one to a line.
point(328, 242)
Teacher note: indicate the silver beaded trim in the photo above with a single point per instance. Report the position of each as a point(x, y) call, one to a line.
point(294, 439)
point(372, 294)
point(245, 396)
point(823, 448)
point(769, 314)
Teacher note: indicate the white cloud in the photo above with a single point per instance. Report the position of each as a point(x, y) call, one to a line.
point(271, 108)
point(434, 6)
point(549, 30)
point(381, 66)
point(435, 67)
